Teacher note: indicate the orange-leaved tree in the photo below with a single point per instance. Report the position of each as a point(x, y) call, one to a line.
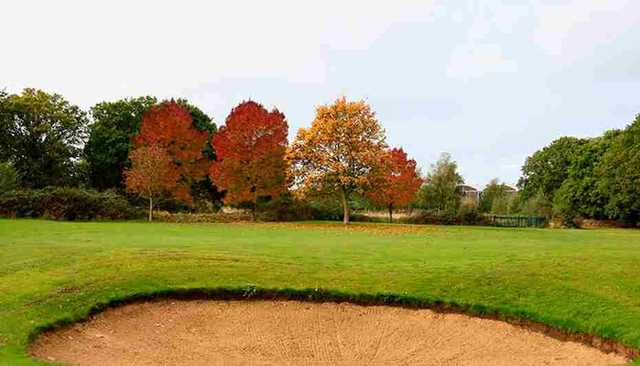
point(169, 126)
point(250, 154)
point(339, 152)
point(399, 182)
point(152, 174)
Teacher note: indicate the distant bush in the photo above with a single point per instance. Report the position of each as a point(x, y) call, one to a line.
point(467, 214)
point(22, 203)
point(430, 217)
point(186, 217)
point(288, 208)
point(538, 205)
point(285, 208)
point(67, 204)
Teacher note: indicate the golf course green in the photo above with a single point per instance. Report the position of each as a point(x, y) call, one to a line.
point(584, 281)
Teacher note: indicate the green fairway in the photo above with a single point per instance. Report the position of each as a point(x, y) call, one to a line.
point(581, 280)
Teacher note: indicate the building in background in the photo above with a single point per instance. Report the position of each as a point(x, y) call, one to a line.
point(469, 192)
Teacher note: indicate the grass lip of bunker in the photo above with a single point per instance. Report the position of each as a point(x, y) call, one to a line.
point(617, 351)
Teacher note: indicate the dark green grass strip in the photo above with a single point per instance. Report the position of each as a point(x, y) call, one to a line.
point(518, 318)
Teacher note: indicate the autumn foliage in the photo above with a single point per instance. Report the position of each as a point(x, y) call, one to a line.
point(340, 152)
point(250, 154)
point(152, 174)
point(398, 182)
point(343, 153)
point(169, 126)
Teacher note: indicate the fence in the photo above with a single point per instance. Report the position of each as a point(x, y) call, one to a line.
point(517, 221)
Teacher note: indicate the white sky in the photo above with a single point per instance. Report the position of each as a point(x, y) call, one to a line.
point(488, 81)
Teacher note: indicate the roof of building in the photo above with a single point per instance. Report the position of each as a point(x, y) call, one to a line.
point(467, 187)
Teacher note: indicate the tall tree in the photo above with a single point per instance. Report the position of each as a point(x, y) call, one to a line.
point(152, 174)
point(339, 152)
point(6, 122)
point(107, 150)
point(580, 194)
point(114, 124)
point(169, 125)
point(250, 154)
point(205, 194)
point(398, 183)
point(619, 175)
point(8, 178)
point(440, 190)
point(41, 136)
point(491, 191)
point(497, 198)
point(545, 170)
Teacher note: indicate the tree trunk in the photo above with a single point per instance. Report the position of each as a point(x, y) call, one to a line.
point(255, 204)
point(345, 207)
point(390, 213)
point(150, 209)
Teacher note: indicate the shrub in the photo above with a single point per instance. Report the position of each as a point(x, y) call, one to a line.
point(22, 203)
point(538, 205)
point(67, 204)
point(468, 213)
point(360, 217)
point(430, 217)
point(287, 208)
point(185, 217)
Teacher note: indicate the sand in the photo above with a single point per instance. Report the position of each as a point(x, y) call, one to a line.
point(209, 332)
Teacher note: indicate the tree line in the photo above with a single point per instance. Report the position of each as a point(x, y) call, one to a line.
point(596, 178)
point(172, 149)
point(172, 153)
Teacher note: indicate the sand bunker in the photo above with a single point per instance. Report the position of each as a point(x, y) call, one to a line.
point(294, 333)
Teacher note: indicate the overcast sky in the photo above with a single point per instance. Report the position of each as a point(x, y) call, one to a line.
point(488, 81)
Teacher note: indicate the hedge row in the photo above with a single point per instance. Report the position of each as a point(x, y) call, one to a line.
point(81, 204)
point(434, 217)
point(186, 217)
point(67, 204)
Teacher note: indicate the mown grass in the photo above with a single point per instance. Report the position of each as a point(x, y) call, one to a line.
point(580, 280)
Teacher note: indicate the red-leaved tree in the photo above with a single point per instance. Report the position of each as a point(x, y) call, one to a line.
point(152, 174)
point(398, 182)
point(250, 154)
point(168, 125)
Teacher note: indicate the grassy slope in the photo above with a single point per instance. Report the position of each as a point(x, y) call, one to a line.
point(586, 281)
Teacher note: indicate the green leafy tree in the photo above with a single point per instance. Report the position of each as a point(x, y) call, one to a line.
point(503, 204)
point(8, 178)
point(6, 145)
point(619, 175)
point(581, 194)
point(496, 198)
point(80, 174)
point(41, 135)
point(538, 205)
point(547, 169)
point(440, 191)
point(201, 121)
point(107, 150)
